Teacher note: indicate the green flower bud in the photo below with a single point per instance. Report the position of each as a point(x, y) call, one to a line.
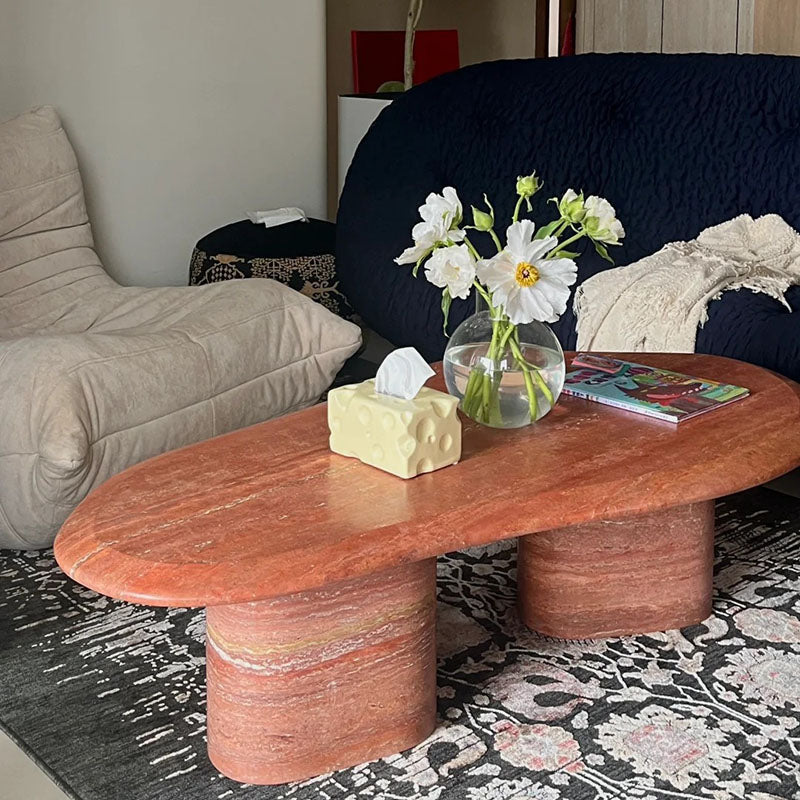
point(592, 226)
point(482, 221)
point(571, 206)
point(528, 185)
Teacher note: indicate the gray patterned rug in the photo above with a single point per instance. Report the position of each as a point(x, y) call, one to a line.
point(109, 699)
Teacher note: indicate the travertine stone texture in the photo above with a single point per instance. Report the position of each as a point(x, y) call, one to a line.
point(318, 572)
point(614, 578)
point(403, 437)
point(322, 680)
point(269, 510)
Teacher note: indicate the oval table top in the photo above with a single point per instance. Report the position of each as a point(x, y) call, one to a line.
point(269, 510)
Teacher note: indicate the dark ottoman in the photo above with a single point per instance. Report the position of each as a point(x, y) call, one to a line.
point(298, 254)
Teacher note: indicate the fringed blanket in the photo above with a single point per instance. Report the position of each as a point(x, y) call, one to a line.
point(658, 303)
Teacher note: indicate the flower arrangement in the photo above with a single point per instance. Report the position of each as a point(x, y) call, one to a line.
point(527, 281)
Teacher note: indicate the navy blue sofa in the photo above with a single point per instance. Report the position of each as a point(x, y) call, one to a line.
point(675, 142)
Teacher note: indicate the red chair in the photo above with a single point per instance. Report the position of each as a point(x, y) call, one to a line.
point(378, 57)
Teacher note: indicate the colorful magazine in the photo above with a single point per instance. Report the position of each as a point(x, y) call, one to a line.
point(646, 390)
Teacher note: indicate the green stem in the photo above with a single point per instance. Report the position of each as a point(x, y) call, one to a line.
point(560, 229)
point(496, 241)
point(536, 370)
point(533, 403)
point(481, 399)
point(537, 375)
point(553, 253)
point(504, 341)
point(486, 296)
point(532, 373)
point(475, 254)
point(515, 218)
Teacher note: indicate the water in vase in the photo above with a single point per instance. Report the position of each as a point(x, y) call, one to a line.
point(515, 408)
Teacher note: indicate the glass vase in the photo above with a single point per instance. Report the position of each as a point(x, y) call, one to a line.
point(504, 375)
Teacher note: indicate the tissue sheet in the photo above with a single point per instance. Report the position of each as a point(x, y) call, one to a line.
point(278, 216)
point(402, 374)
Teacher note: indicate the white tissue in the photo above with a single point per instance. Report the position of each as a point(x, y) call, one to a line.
point(278, 216)
point(402, 374)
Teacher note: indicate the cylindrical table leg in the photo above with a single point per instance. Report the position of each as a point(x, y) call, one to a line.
point(321, 680)
point(614, 578)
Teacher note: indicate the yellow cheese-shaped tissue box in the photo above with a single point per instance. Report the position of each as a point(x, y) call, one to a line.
point(403, 437)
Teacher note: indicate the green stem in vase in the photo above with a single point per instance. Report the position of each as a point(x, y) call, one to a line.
point(532, 377)
point(536, 373)
point(469, 391)
point(491, 401)
point(533, 401)
point(537, 376)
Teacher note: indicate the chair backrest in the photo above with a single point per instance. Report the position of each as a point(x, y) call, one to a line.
point(378, 57)
point(675, 142)
point(47, 257)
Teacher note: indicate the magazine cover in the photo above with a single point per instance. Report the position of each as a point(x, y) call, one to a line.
point(646, 390)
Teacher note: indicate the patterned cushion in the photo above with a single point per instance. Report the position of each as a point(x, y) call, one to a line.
point(299, 255)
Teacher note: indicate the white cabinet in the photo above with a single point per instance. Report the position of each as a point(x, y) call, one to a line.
point(688, 26)
point(356, 114)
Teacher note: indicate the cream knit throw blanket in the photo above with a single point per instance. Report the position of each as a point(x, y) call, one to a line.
point(658, 303)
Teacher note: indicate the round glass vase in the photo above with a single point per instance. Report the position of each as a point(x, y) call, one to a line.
point(504, 375)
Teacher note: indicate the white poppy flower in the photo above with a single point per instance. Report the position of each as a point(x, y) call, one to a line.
point(427, 235)
point(523, 281)
point(441, 215)
point(601, 221)
point(444, 207)
point(452, 268)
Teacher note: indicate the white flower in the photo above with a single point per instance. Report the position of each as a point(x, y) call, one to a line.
point(601, 221)
point(441, 215)
point(444, 207)
point(452, 268)
point(523, 282)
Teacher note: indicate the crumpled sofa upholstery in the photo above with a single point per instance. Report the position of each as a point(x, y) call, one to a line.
point(676, 142)
point(94, 376)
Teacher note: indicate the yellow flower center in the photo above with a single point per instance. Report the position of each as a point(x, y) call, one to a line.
point(527, 274)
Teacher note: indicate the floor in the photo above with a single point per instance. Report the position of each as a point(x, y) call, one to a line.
point(22, 779)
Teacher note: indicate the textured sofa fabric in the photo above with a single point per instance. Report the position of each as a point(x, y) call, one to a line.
point(676, 142)
point(94, 376)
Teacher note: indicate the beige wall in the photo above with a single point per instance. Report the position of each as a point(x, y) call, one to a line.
point(487, 31)
point(185, 113)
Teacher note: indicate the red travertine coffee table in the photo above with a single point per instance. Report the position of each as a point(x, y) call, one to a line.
point(318, 572)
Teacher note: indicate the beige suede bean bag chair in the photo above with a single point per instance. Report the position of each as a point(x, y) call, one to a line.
point(94, 376)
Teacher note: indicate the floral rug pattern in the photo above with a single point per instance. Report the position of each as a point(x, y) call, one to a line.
point(711, 712)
